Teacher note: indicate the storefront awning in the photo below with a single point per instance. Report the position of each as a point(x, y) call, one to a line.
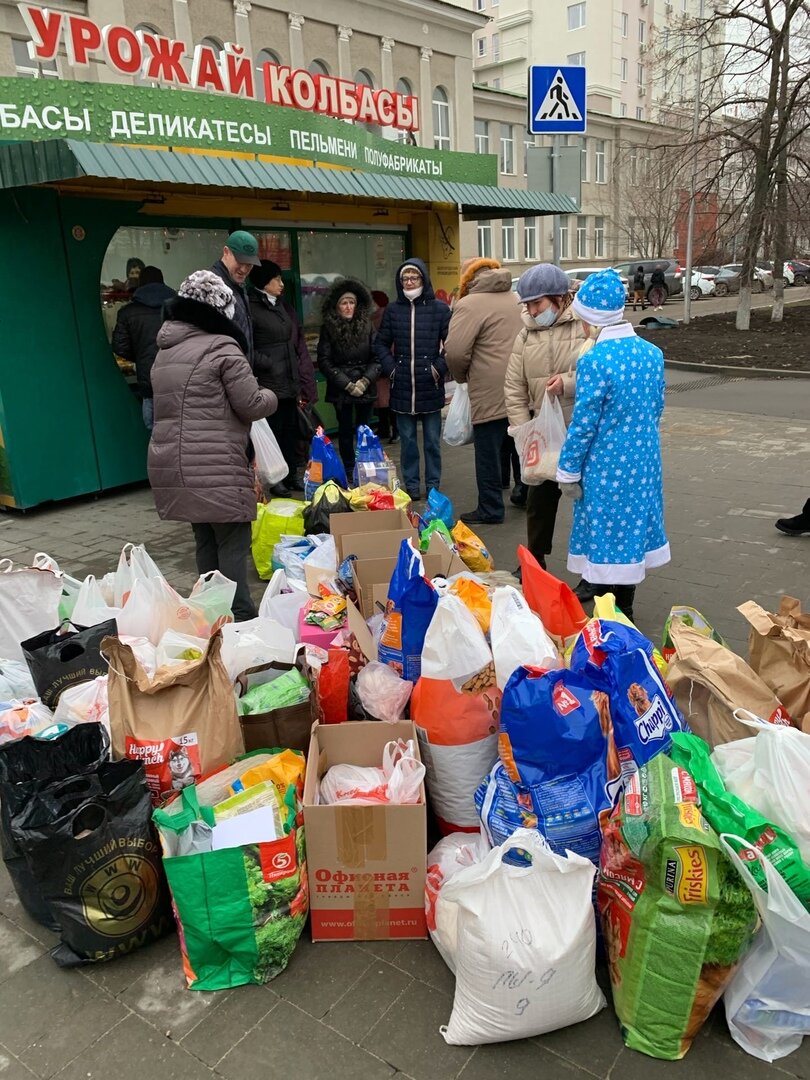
point(24, 164)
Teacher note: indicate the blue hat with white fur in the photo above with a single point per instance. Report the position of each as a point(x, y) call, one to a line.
point(600, 299)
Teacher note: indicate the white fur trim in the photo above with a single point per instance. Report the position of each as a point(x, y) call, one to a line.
point(564, 477)
point(597, 316)
point(615, 331)
point(617, 573)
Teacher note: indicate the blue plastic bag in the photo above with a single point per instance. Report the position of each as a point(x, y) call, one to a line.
point(619, 661)
point(324, 464)
point(369, 447)
point(438, 508)
point(412, 601)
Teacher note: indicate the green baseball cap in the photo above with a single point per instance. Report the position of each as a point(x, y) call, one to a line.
point(244, 247)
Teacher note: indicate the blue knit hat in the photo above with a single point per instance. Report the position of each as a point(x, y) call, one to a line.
point(544, 279)
point(600, 299)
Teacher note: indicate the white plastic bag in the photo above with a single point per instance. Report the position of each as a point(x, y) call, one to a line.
point(382, 692)
point(134, 563)
point(455, 647)
point(270, 464)
point(282, 602)
point(86, 703)
point(259, 641)
point(90, 607)
point(398, 781)
point(29, 604)
point(153, 607)
point(771, 772)
point(458, 427)
point(767, 1001)
point(16, 681)
point(70, 585)
point(539, 442)
point(526, 944)
point(451, 854)
point(518, 636)
point(21, 718)
point(174, 648)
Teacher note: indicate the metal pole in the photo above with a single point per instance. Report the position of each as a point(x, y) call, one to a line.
point(690, 224)
point(555, 181)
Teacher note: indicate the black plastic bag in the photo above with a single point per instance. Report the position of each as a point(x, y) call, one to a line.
point(58, 660)
point(92, 851)
point(27, 765)
point(317, 513)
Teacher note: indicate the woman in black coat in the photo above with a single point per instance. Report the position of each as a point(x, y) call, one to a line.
point(346, 359)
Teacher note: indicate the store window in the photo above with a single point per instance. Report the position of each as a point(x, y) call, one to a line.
point(582, 237)
point(507, 149)
point(264, 56)
point(484, 239)
point(508, 253)
point(27, 68)
point(441, 119)
point(530, 239)
point(482, 136)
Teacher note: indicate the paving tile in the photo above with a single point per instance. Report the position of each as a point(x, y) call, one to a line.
point(523, 1060)
point(17, 949)
point(408, 1036)
point(11, 1068)
point(385, 950)
point(161, 997)
point(422, 960)
point(135, 1051)
point(356, 1013)
point(320, 973)
point(217, 1032)
point(708, 1057)
point(288, 1043)
point(117, 977)
point(57, 1014)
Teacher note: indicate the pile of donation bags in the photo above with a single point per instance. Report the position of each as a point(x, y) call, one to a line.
point(595, 794)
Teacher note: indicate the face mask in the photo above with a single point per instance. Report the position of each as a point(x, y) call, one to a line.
point(413, 294)
point(546, 318)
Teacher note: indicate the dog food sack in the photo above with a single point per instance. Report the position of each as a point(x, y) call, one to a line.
point(676, 915)
point(709, 682)
point(412, 601)
point(181, 724)
point(619, 660)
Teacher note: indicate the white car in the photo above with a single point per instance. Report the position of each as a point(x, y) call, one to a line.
point(702, 285)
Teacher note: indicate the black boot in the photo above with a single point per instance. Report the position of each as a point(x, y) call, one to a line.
point(625, 595)
point(520, 493)
point(798, 525)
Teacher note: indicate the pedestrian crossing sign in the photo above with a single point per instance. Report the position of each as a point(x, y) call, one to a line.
point(557, 100)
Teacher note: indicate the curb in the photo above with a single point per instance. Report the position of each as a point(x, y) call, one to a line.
point(730, 369)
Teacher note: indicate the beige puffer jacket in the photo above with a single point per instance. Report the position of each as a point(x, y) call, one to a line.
point(537, 355)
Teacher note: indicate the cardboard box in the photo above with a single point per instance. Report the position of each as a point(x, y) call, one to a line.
point(366, 864)
point(371, 534)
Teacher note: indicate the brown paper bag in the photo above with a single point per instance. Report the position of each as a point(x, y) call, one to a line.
point(709, 682)
point(779, 649)
point(180, 725)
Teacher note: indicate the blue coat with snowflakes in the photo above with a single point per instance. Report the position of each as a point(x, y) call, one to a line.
point(613, 448)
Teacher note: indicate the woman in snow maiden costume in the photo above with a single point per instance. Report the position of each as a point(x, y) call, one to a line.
point(611, 461)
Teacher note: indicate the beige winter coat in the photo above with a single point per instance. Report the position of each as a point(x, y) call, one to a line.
point(479, 341)
point(537, 355)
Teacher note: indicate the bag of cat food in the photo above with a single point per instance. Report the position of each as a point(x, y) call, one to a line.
point(676, 915)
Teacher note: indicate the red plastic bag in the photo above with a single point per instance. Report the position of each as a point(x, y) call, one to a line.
point(560, 611)
point(382, 500)
point(332, 688)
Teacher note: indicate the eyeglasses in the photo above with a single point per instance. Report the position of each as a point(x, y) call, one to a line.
point(411, 277)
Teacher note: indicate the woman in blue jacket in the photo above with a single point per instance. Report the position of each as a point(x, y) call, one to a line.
point(410, 347)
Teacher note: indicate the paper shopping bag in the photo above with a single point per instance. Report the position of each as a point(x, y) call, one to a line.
point(779, 652)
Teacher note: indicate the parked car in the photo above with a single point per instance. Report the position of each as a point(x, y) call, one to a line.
point(580, 273)
point(702, 282)
point(787, 269)
point(766, 270)
point(730, 283)
point(673, 274)
point(801, 271)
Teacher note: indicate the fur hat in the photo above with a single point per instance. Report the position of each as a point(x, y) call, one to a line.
point(543, 279)
point(207, 288)
point(469, 268)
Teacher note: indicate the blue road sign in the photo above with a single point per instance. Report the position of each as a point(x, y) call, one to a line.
point(557, 100)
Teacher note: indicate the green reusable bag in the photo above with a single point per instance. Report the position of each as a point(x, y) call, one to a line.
point(277, 518)
point(240, 910)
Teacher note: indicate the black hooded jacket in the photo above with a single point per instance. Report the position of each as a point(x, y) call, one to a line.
point(136, 328)
point(410, 347)
point(345, 347)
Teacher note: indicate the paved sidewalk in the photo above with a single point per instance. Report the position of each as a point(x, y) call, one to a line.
point(367, 1011)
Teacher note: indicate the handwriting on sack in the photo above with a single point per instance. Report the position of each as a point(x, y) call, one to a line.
point(518, 946)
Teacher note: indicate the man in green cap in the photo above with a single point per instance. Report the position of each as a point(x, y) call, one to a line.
point(239, 256)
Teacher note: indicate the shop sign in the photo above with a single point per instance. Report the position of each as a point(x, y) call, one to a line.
point(160, 59)
point(40, 109)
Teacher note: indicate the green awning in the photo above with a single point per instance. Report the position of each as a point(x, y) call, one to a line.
point(25, 163)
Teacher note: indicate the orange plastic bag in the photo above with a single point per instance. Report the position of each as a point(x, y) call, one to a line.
point(560, 611)
point(475, 597)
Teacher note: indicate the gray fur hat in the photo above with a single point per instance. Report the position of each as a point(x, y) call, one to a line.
point(206, 287)
point(543, 279)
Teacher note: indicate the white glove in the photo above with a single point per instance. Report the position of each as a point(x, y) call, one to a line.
point(572, 491)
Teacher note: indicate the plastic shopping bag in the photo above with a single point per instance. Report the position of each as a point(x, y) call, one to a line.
point(327, 500)
point(438, 507)
point(451, 854)
point(70, 585)
point(767, 1004)
point(455, 648)
point(525, 947)
point(91, 607)
point(518, 636)
point(282, 602)
point(87, 703)
point(324, 464)
point(15, 681)
point(399, 780)
point(540, 441)
point(21, 718)
point(411, 603)
point(382, 693)
point(29, 603)
point(66, 656)
point(271, 468)
point(472, 551)
point(277, 518)
point(134, 564)
point(458, 427)
point(554, 601)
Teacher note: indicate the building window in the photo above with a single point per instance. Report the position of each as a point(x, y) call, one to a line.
point(583, 148)
point(600, 162)
point(496, 47)
point(508, 239)
point(563, 236)
point(212, 43)
point(138, 79)
point(530, 239)
point(576, 59)
point(481, 47)
point(318, 67)
point(441, 119)
point(495, 3)
point(482, 136)
point(599, 238)
point(507, 149)
point(264, 56)
point(685, 5)
point(27, 68)
point(624, 109)
point(576, 16)
point(639, 113)
point(484, 239)
point(496, 84)
point(479, 5)
point(364, 78)
point(640, 74)
point(633, 165)
point(625, 24)
point(624, 69)
point(528, 145)
point(582, 237)
point(642, 31)
point(632, 241)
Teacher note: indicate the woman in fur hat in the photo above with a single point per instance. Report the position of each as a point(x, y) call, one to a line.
point(346, 360)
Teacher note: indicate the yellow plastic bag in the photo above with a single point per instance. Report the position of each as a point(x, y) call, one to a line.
point(366, 496)
point(283, 769)
point(475, 597)
point(604, 607)
point(279, 517)
point(471, 549)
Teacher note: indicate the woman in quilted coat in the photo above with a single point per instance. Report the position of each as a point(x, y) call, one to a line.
point(206, 398)
point(410, 348)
